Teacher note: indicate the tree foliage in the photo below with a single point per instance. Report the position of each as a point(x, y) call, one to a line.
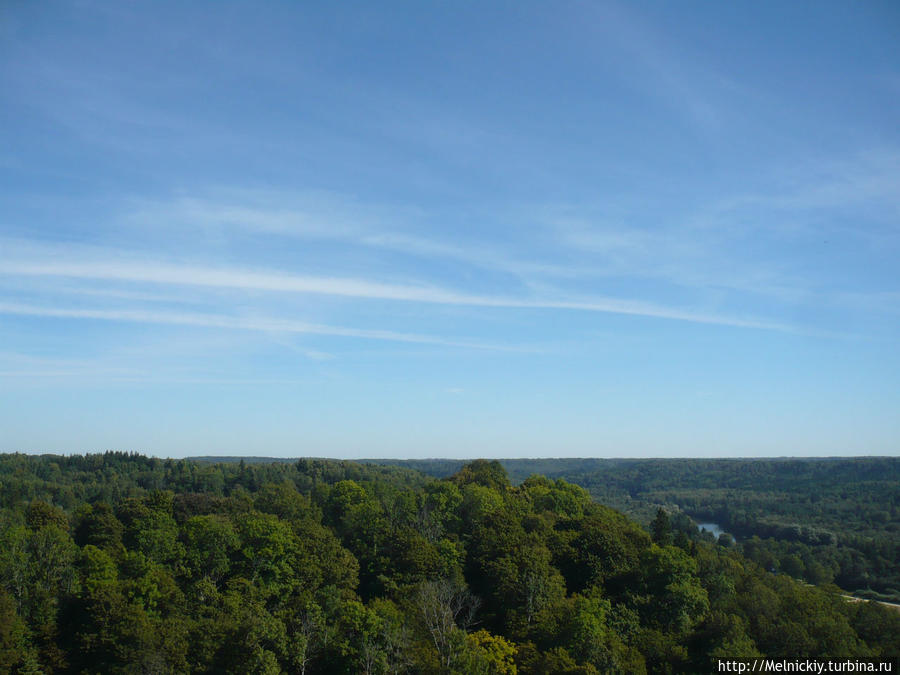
point(119, 563)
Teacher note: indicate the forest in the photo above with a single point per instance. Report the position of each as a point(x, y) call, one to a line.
point(823, 521)
point(121, 563)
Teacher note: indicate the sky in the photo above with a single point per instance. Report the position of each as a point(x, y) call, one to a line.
point(450, 229)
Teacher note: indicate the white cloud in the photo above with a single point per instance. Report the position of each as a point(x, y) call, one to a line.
point(163, 273)
point(261, 324)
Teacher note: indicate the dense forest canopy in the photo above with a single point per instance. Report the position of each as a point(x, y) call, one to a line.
point(822, 520)
point(120, 563)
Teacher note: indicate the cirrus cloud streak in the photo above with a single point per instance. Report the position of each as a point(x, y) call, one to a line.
point(231, 278)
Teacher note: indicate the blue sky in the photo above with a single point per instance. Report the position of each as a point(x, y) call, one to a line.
point(433, 229)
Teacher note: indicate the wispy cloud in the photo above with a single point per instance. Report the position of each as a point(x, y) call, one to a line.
point(268, 325)
point(330, 217)
point(703, 248)
point(745, 240)
point(309, 213)
point(693, 89)
point(863, 179)
point(356, 288)
point(13, 364)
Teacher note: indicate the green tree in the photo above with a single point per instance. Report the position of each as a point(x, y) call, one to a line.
point(674, 599)
point(444, 610)
point(488, 654)
point(525, 581)
point(15, 648)
point(209, 543)
point(489, 474)
point(40, 514)
point(661, 528)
